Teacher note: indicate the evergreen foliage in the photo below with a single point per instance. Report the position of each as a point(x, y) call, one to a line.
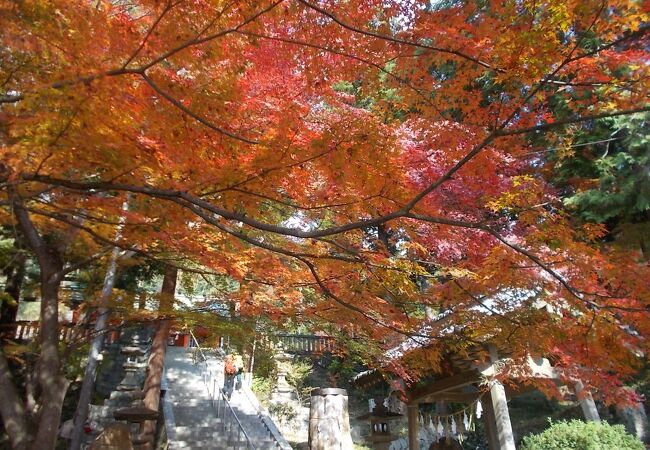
point(578, 435)
point(605, 175)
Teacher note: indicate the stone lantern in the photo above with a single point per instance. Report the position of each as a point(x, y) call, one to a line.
point(380, 418)
point(283, 391)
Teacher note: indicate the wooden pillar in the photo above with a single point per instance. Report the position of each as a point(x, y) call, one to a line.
point(490, 424)
point(413, 414)
point(502, 417)
point(586, 402)
point(499, 403)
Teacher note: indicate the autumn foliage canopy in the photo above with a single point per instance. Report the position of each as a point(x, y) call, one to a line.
point(360, 166)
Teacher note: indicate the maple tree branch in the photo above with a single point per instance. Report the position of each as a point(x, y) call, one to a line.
point(382, 69)
point(11, 98)
point(10, 75)
point(168, 7)
point(635, 34)
point(258, 243)
point(272, 169)
point(573, 291)
point(85, 262)
point(578, 119)
point(127, 248)
point(201, 40)
point(14, 98)
point(445, 221)
point(199, 207)
point(518, 249)
point(580, 83)
point(86, 79)
point(174, 196)
point(303, 258)
point(98, 237)
point(84, 214)
point(297, 284)
point(328, 293)
point(395, 40)
point(192, 114)
point(497, 131)
point(546, 267)
point(583, 144)
point(479, 302)
point(302, 208)
point(450, 172)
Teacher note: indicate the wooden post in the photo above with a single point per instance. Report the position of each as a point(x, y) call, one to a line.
point(413, 413)
point(490, 424)
point(586, 402)
point(500, 407)
point(502, 417)
point(101, 324)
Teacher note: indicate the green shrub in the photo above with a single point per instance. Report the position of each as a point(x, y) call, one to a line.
point(298, 372)
point(283, 412)
point(578, 435)
point(263, 388)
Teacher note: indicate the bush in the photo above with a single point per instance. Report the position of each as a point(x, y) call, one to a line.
point(298, 372)
point(263, 388)
point(578, 435)
point(284, 413)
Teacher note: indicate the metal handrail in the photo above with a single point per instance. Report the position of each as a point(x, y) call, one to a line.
point(207, 375)
point(240, 428)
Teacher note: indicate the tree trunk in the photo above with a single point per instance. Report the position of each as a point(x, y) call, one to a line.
point(101, 323)
point(88, 384)
point(15, 274)
point(52, 383)
point(12, 408)
point(158, 348)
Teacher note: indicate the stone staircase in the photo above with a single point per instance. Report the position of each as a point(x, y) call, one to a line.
point(194, 421)
point(120, 379)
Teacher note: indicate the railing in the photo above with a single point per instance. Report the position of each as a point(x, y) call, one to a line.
point(68, 332)
point(305, 343)
point(229, 420)
point(230, 423)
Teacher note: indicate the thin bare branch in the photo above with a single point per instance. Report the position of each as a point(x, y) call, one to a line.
point(393, 39)
point(168, 7)
point(201, 40)
point(572, 120)
point(192, 114)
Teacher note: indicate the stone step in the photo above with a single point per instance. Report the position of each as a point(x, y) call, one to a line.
point(189, 402)
point(205, 433)
point(190, 421)
point(220, 443)
point(127, 395)
point(197, 434)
